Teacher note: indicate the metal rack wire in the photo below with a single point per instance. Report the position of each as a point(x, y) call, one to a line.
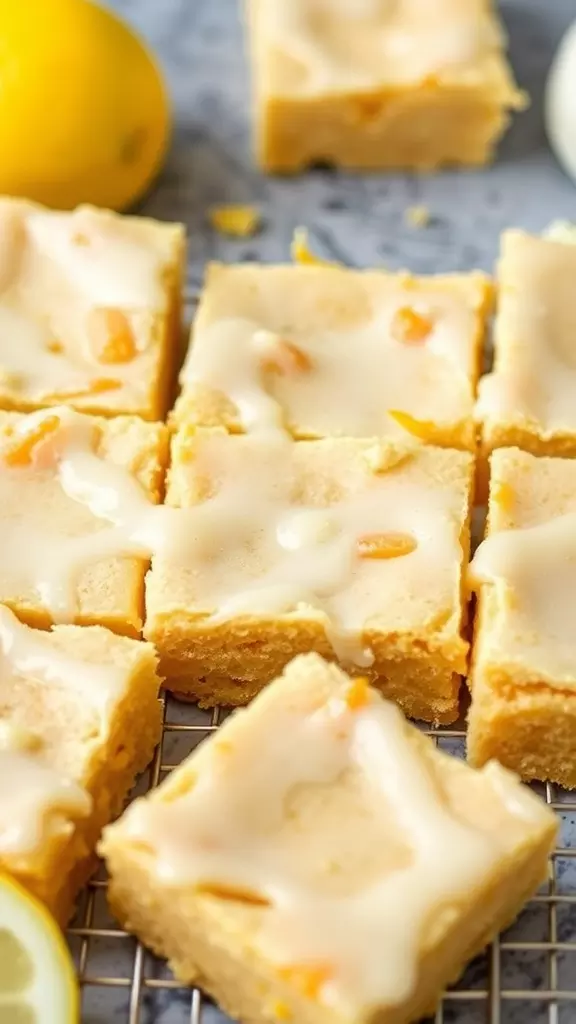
point(527, 977)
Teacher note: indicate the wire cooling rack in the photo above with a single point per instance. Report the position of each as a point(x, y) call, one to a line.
point(528, 976)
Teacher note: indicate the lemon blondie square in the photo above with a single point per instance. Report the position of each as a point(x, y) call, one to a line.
point(76, 495)
point(350, 548)
point(89, 309)
point(318, 860)
point(528, 399)
point(523, 676)
point(69, 751)
point(326, 351)
point(374, 84)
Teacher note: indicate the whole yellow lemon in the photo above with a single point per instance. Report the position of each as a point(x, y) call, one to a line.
point(84, 115)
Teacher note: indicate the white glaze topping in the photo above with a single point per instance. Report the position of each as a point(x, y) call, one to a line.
point(311, 556)
point(402, 40)
point(534, 572)
point(132, 525)
point(262, 545)
point(37, 802)
point(341, 381)
point(70, 283)
point(534, 377)
point(28, 653)
point(226, 830)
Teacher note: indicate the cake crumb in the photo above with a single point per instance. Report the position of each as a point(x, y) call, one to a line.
point(235, 220)
point(383, 456)
point(418, 216)
point(301, 252)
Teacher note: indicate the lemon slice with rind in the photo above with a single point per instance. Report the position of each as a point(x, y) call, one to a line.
point(37, 981)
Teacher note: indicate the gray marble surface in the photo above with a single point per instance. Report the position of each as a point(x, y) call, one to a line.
point(359, 220)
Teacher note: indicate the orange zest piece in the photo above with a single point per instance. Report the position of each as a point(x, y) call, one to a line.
point(112, 336)
point(309, 979)
point(409, 327)
point(386, 545)
point(301, 253)
point(423, 429)
point(100, 384)
point(20, 452)
point(234, 220)
point(233, 893)
point(286, 358)
point(504, 496)
point(103, 384)
point(358, 694)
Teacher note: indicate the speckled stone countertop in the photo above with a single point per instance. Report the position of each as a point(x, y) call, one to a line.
point(360, 221)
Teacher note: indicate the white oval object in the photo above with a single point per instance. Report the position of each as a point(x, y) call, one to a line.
point(560, 103)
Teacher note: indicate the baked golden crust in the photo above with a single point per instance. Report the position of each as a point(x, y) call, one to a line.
point(408, 614)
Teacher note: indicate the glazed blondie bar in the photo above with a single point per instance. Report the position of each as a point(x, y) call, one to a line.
point(89, 310)
point(69, 751)
point(370, 84)
point(528, 399)
point(321, 351)
point(350, 548)
point(523, 677)
point(318, 860)
point(73, 490)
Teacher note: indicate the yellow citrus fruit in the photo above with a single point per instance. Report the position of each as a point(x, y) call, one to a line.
point(84, 114)
point(37, 981)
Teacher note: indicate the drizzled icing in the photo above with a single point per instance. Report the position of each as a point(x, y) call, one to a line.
point(132, 525)
point(401, 40)
point(29, 653)
point(59, 270)
point(344, 376)
point(533, 571)
point(226, 830)
point(264, 543)
point(37, 802)
point(311, 553)
point(534, 377)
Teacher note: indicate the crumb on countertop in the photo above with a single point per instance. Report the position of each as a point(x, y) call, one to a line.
point(301, 252)
point(235, 220)
point(418, 216)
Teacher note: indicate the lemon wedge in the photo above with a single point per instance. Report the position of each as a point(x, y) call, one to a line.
point(37, 981)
